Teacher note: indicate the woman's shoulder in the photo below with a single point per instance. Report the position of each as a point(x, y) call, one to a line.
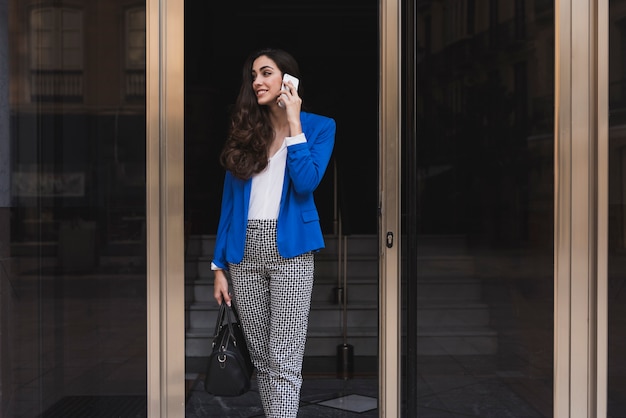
point(315, 119)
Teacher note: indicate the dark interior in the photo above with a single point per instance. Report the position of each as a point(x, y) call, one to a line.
point(336, 45)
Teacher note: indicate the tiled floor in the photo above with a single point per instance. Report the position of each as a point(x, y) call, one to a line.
point(448, 387)
point(482, 386)
point(320, 397)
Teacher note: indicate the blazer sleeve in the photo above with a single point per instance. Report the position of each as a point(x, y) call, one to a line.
point(307, 162)
point(226, 215)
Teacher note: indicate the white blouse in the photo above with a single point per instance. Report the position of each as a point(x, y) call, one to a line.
point(267, 186)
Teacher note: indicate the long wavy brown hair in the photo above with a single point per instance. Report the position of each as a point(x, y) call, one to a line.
point(251, 133)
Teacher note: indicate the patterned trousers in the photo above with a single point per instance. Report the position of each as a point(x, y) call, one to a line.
point(273, 296)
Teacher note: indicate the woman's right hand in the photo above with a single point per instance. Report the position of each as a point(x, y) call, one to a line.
point(220, 287)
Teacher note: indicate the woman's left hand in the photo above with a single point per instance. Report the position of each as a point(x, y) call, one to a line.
point(220, 288)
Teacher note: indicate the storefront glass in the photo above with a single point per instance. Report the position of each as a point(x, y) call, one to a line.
point(617, 210)
point(485, 176)
point(72, 208)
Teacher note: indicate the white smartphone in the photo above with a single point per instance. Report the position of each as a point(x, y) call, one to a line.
point(294, 81)
point(289, 77)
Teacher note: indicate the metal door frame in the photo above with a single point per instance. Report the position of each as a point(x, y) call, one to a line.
point(581, 207)
point(165, 204)
point(389, 309)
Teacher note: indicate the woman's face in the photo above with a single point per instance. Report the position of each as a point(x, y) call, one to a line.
point(266, 81)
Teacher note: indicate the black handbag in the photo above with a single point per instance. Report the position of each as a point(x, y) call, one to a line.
point(230, 368)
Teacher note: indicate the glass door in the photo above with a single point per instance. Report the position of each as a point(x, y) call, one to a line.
point(617, 210)
point(484, 208)
point(73, 208)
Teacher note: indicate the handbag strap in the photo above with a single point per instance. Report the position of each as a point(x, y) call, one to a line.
point(225, 313)
point(220, 319)
point(233, 308)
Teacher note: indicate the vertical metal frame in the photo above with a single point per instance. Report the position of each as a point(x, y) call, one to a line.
point(602, 250)
point(389, 399)
point(581, 208)
point(164, 187)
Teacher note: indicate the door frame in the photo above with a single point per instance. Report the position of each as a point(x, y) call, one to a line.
point(389, 307)
point(165, 208)
point(581, 143)
point(581, 208)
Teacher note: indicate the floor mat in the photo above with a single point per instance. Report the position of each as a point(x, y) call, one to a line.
point(98, 407)
point(353, 403)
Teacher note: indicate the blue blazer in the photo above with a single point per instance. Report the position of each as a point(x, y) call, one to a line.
point(298, 224)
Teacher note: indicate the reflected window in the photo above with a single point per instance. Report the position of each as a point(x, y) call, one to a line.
point(457, 16)
point(56, 54)
point(135, 53)
point(72, 238)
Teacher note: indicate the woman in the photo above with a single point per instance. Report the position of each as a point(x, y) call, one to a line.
point(275, 157)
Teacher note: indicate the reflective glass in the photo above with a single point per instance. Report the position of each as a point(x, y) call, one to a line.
point(72, 209)
point(484, 210)
point(617, 210)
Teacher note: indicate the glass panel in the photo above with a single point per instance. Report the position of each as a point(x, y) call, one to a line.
point(617, 210)
point(339, 64)
point(72, 210)
point(485, 208)
point(408, 192)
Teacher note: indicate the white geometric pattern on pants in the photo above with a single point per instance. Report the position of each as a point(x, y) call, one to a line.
point(273, 297)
